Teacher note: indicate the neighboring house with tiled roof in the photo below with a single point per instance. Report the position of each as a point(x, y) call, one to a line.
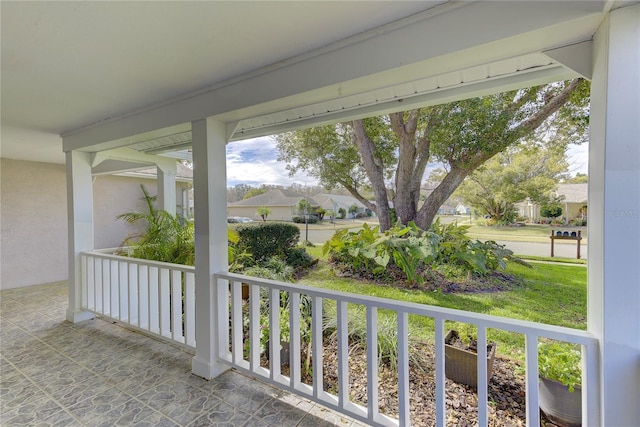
point(574, 203)
point(335, 202)
point(574, 200)
point(283, 205)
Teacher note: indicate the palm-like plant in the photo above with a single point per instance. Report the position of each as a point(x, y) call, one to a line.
point(166, 237)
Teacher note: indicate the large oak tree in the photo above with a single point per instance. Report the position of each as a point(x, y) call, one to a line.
point(394, 150)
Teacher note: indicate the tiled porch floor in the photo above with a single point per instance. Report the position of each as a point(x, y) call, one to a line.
point(96, 373)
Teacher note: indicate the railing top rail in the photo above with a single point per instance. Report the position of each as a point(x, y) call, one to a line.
point(514, 325)
point(140, 261)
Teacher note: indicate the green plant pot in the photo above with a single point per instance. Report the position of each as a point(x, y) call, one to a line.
point(461, 365)
point(560, 406)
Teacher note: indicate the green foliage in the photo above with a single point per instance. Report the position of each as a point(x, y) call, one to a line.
point(265, 240)
point(560, 362)
point(264, 212)
point(252, 192)
point(303, 206)
point(299, 258)
point(551, 210)
point(273, 268)
point(445, 248)
point(300, 219)
point(166, 238)
point(353, 209)
point(342, 213)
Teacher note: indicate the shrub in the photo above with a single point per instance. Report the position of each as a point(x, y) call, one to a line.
point(342, 212)
point(265, 240)
point(300, 219)
point(551, 210)
point(298, 258)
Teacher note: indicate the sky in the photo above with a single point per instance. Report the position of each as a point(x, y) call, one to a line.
point(255, 162)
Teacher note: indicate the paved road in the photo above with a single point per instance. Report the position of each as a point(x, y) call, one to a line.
point(561, 249)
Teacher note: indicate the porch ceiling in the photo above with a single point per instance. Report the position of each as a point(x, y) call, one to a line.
point(109, 74)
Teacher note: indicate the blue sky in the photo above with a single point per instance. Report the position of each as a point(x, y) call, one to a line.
point(255, 162)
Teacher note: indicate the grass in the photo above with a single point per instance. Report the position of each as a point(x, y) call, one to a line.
point(552, 294)
point(554, 259)
point(528, 233)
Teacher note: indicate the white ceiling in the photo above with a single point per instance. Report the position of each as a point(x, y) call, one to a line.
point(69, 66)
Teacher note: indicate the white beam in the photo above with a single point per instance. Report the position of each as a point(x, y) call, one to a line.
point(576, 57)
point(396, 52)
point(614, 215)
point(131, 155)
point(210, 195)
point(80, 227)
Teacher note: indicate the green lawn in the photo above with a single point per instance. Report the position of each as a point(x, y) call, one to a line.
point(552, 294)
point(528, 233)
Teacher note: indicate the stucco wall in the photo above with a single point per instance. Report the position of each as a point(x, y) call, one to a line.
point(33, 215)
point(33, 218)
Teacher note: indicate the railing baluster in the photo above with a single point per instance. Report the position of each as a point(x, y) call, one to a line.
point(482, 376)
point(236, 322)
point(114, 284)
point(294, 334)
point(134, 314)
point(343, 354)
point(441, 407)
point(533, 406)
point(154, 300)
point(190, 309)
point(123, 291)
point(372, 363)
point(165, 295)
point(177, 328)
point(274, 333)
point(317, 347)
point(255, 328)
point(403, 368)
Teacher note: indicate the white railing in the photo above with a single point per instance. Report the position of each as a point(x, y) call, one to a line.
point(240, 347)
point(154, 297)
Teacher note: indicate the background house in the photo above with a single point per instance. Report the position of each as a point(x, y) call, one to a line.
point(574, 200)
point(283, 205)
point(336, 201)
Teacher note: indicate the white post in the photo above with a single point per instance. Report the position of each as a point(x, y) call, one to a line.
point(167, 187)
point(80, 227)
point(210, 178)
point(614, 215)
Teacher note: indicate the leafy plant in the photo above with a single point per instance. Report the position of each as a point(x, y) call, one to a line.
point(264, 240)
point(264, 212)
point(560, 362)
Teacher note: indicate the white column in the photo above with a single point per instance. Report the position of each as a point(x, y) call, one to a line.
point(167, 187)
point(80, 226)
point(614, 214)
point(210, 200)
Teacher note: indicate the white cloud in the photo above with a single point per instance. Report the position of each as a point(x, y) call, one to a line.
point(255, 162)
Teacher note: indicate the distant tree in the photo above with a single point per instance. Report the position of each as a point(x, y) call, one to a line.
point(237, 192)
point(551, 210)
point(342, 213)
point(331, 214)
point(462, 135)
point(255, 192)
point(580, 178)
point(304, 206)
point(321, 212)
point(530, 171)
point(264, 212)
point(353, 209)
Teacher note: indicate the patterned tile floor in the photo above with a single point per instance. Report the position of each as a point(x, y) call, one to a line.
point(96, 373)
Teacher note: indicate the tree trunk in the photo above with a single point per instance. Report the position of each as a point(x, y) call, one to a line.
point(442, 192)
point(375, 171)
point(412, 161)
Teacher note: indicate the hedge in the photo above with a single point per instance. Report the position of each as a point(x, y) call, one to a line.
point(264, 240)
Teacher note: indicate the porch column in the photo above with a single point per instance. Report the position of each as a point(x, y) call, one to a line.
point(614, 214)
point(167, 187)
point(79, 226)
point(210, 200)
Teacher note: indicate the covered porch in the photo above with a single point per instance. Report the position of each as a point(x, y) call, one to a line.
point(387, 65)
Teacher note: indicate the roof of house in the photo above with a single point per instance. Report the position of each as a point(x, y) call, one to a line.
point(275, 197)
point(337, 201)
point(573, 193)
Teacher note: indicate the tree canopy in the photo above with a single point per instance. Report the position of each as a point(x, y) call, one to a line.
point(393, 151)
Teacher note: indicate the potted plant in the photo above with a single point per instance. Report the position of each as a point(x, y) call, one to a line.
point(559, 367)
point(461, 359)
